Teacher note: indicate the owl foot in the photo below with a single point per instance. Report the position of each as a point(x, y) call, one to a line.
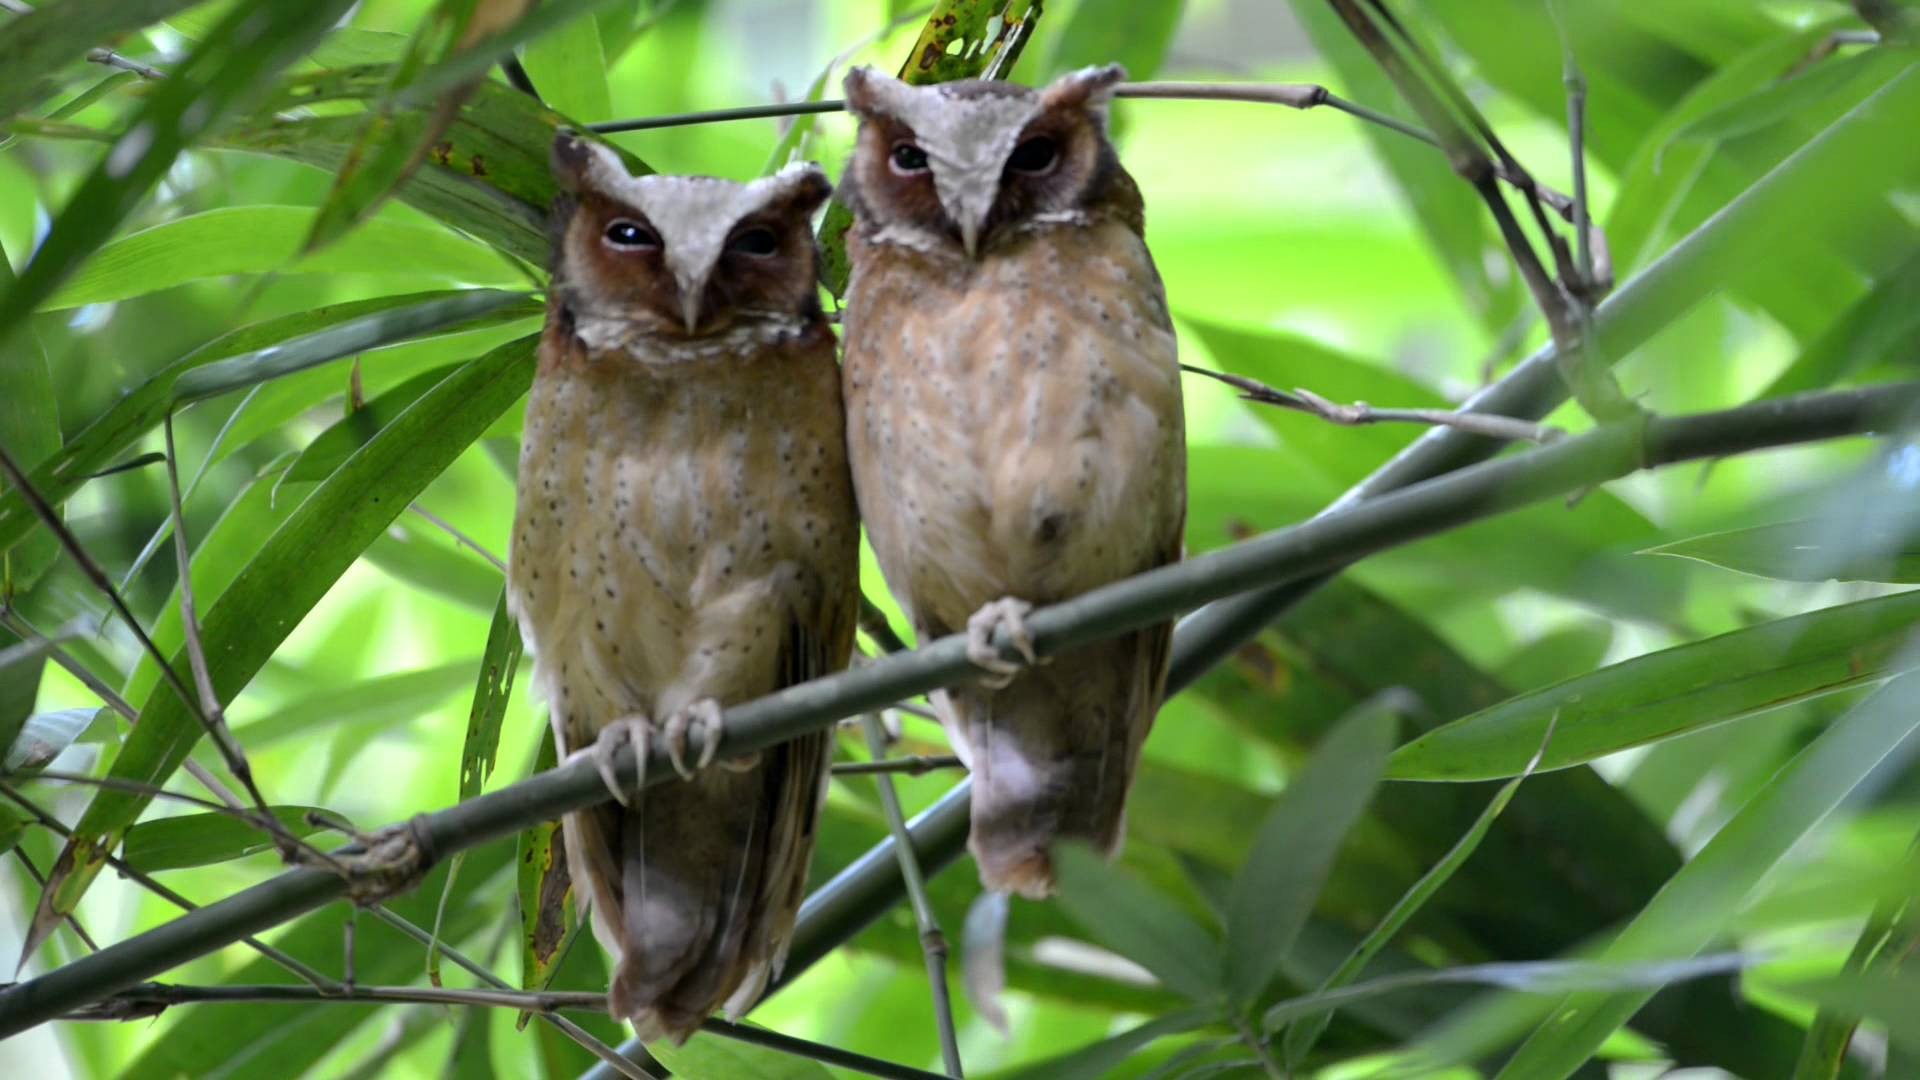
point(630, 731)
point(703, 714)
point(1008, 613)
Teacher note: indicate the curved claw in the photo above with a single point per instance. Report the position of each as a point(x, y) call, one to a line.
point(702, 715)
point(1008, 612)
point(635, 731)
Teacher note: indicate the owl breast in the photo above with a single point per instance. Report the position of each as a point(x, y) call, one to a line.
point(674, 519)
point(1016, 422)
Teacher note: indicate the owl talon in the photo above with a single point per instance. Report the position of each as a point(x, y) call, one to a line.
point(1008, 613)
point(704, 715)
point(633, 731)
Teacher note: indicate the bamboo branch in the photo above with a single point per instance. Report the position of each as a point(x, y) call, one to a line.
point(1286, 556)
point(933, 944)
point(905, 766)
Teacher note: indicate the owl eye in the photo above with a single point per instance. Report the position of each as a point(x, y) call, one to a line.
point(1036, 155)
point(907, 159)
point(758, 240)
point(629, 234)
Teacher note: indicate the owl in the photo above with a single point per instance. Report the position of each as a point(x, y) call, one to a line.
point(1015, 427)
point(685, 539)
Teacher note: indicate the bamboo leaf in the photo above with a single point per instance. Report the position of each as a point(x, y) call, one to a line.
point(409, 555)
point(1295, 847)
point(308, 337)
point(497, 669)
point(1812, 549)
point(509, 31)
point(354, 430)
point(12, 827)
point(1877, 329)
point(30, 432)
point(1694, 907)
point(1130, 918)
point(44, 735)
point(239, 59)
point(548, 917)
point(1674, 691)
point(381, 701)
point(712, 1056)
point(55, 35)
point(570, 71)
point(204, 839)
point(1101, 1058)
point(1135, 35)
point(294, 568)
point(266, 239)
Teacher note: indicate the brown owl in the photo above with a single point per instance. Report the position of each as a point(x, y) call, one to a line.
point(1014, 421)
point(685, 539)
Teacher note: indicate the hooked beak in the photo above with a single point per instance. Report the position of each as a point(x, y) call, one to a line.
point(690, 307)
point(970, 236)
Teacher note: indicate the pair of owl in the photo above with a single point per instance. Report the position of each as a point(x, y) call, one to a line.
point(1008, 416)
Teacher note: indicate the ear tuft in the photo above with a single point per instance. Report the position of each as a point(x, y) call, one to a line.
point(804, 186)
point(1090, 87)
point(572, 157)
point(866, 87)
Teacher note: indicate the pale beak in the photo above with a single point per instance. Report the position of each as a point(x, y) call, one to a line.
point(690, 308)
point(970, 236)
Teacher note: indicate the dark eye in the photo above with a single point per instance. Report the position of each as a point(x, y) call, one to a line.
point(908, 158)
point(758, 240)
point(1036, 155)
point(629, 234)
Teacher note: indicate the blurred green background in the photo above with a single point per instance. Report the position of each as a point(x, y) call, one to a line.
point(1298, 248)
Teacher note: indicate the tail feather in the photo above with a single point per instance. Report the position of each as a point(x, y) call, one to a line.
point(1053, 755)
point(710, 876)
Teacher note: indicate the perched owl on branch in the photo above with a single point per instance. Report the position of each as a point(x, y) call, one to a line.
point(685, 538)
point(1015, 428)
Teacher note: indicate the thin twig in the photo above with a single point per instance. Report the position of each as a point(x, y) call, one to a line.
point(1360, 413)
point(15, 622)
point(73, 918)
point(98, 578)
point(147, 882)
point(916, 765)
point(150, 999)
point(98, 56)
point(933, 944)
point(460, 538)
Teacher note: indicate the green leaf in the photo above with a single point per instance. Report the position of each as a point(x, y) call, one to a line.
point(37, 45)
point(1295, 847)
point(473, 61)
point(1135, 35)
point(12, 826)
point(548, 918)
point(410, 555)
point(30, 434)
point(305, 338)
point(380, 701)
point(487, 175)
point(1560, 655)
point(1131, 919)
point(354, 430)
point(1101, 1058)
point(570, 72)
point(1307, 1028)
point(1878, 329)
point(1779, 101)
point(266, 239)
point(1811, 550)
point(205, 839)
point(497, 669)
point(1694, 907)
point(293, 570)
point(472, 1057)
point(710, 1057)
point(1674, 691)
point(292, 1038)
point(44, 735)
point(238, 61)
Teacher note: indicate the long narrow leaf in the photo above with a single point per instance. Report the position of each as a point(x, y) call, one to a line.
point(294, 569)
point(54, 35)
point(1131, 919)
point(1674, 691)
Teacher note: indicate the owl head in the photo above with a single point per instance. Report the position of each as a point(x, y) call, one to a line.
point(682, 255)
point(955, 165)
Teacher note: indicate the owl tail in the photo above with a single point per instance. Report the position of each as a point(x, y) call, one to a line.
point(1053, 754)
point(695, 886)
